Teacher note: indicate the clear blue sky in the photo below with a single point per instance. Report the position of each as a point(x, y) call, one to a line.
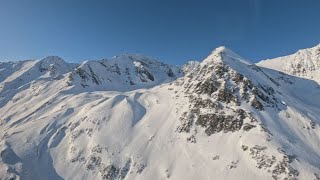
point(172, 30)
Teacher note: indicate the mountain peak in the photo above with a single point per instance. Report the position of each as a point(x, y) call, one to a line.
point(123, 72)
point(130, 117)
point(52, 59)
point(221, 49)
point(225, 55)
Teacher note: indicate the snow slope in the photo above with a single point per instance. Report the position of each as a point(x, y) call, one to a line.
point(131, 117)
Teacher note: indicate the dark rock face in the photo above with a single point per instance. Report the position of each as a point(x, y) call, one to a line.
point(209, 86)
point(93, 162)
point(212, 122)
point(170, 73)
point(277, 168)
point(216, 158)
point(263, 96)
point(257, 104)
point(263, 161)
point(221, 69)
point(227, 96)
point(312, 124)
point(186, 122)
point(233, 164)
point(241, 113)
point(204, 103)
point(244, 147)
point(217, 95)
point(82, 73)
point(216, 123)
point(214, 89)
point(111, 173)
point(94, 77)
point(248, 127)
point(192, 139)
point(144, 75)
point(238, 78)
point(283, 168)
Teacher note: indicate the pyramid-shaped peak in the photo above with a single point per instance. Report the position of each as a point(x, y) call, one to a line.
point(224, 51)
point(226, 55)
point(221, 49)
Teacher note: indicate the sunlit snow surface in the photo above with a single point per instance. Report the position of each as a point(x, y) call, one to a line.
point(132, 117)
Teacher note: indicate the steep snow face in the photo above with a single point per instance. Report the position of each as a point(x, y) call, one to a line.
point(224, 119)
point(304, 63)
point(24, 75)
point(122, 73)
point(55, 66)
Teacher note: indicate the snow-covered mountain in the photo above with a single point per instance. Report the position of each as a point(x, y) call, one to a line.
point(304, 63)
point(132, 117)
point(125, 72)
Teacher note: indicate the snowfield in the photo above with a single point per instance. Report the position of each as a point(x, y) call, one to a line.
point(133, 117)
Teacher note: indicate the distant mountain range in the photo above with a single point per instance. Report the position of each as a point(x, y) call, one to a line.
point(133, 117)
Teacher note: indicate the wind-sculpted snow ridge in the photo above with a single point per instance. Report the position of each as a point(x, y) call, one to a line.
point(131, 117)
